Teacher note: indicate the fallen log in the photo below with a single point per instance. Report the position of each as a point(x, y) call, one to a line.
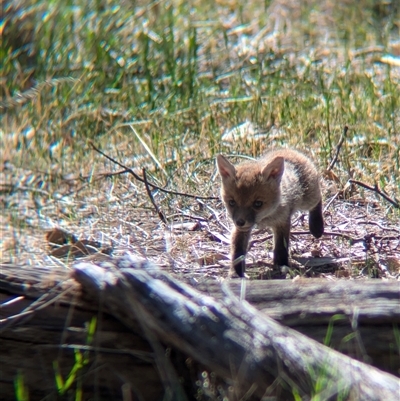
point(231, 338)
point(55, 316)
point(358, 318)
point(44, 322)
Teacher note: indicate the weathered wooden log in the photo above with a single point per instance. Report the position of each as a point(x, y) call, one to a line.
point(40, 335)
point(364, 315)
point(232, 339)
point(56, 317)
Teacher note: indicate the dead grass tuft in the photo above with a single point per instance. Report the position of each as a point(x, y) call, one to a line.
point(163, 88)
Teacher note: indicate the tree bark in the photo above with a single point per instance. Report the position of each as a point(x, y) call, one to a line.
point(233, 339)
point(364, 315)
point(250, 352)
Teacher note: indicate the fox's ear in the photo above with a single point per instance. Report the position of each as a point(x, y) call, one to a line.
point(225, 168)
point(274, 169)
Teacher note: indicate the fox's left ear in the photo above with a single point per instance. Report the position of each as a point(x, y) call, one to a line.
point(225, 168)
point(274, 169)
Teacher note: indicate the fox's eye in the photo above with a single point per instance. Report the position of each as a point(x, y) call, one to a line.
point(257, 204)
point(232, 203)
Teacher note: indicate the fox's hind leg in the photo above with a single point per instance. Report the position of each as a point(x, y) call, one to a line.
point(281, 245)
point(316, 221)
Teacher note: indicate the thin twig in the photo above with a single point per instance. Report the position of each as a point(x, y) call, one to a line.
point(259, 240)
point(161, 215)
point(387, 237)
point(332, 234)
point(376, 189)
point(143, 355)
point(338, 146)
point(40, 303)
point(109, 174)
point(380, 226)
point(130, 171)
point(346, 236)
point(331, 201)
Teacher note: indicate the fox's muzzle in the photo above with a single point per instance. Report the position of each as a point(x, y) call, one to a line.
point(243, 219)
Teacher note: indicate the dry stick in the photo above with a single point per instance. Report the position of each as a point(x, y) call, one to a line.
point(338, 146)
point(40, 303)
point(379, 225)
point(98, 177)
point(330, 233)
point(161, 215)
point(259, 240)
point(129, 170)
point(326, 233)
point(375, 189)
point(331, 200)
point(346, 236)
point(354, 240)
point(333, 162)
point(110, 174)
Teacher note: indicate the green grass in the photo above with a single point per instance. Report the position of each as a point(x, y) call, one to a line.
point(21, 391)
point(82, 359)
point(185, 68)
point(157, 85)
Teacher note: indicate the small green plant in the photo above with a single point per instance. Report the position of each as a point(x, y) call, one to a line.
point(64, 385)
point(325, 388)
point(81, 360)
point(329, 332)
point(323, 385)
point(21, 391)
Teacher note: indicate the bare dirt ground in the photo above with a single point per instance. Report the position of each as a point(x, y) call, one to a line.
point(360, 241)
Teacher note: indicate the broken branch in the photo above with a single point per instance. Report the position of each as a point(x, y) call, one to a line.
point(338, 146)
point(137, 177)
point(161, 215)
point(375, 189)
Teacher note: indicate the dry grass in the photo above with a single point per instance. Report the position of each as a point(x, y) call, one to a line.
point(165, 89)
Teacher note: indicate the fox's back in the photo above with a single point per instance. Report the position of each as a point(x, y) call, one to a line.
point(300, 180)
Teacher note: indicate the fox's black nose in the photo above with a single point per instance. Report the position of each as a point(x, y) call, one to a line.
point(240, 222)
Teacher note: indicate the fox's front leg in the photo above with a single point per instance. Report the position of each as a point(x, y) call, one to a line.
point(281, 244)
point(239, 244)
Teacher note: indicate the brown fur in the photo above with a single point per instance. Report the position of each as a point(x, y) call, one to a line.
point(266, 193)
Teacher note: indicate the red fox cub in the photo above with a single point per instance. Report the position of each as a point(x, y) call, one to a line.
point(266, 192)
